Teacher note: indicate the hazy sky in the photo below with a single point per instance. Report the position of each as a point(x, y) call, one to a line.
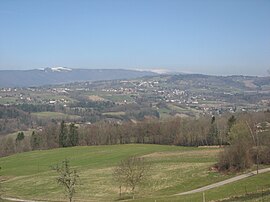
point(211, 37)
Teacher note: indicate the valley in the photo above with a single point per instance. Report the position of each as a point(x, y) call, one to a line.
point(143, 98)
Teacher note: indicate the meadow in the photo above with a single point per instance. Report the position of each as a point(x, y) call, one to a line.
point(173, 170)
point(54, 115)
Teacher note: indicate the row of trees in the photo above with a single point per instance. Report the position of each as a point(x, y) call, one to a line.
point(54, 136)
point(222, 130)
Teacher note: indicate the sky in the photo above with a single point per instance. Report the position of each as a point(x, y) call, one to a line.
point(220, 37)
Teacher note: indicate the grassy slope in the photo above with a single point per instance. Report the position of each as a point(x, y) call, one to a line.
point(174, 169)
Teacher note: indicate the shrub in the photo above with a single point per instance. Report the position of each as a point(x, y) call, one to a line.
point(236, 157)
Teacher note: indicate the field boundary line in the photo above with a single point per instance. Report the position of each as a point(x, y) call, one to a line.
point(18, 200)
point(221, 183)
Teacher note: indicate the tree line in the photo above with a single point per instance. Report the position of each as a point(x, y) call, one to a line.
point(206, 130)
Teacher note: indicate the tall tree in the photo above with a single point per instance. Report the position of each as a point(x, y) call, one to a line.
point(20, 136)
point(213, 132)
point(231, 122)
point(35, 140)
point(73, 135)
point(63, 135)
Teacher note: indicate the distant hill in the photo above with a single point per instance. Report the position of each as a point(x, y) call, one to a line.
point(60, 75)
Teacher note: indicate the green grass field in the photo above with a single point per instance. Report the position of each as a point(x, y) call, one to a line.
point(164, 113)
point(114, 97)
point(177, 108)
point(119, 98)
point(54, 115)
point(118, 115)
point(50, 96)
point(8, 100)
point(114, 113)
point(173, 170)
point(27, 133)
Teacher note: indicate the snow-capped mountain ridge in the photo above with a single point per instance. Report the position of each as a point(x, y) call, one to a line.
point(60, 69)
point(57, 69)
point(59, 75)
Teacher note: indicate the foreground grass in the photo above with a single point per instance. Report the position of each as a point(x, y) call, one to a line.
point(174, 170)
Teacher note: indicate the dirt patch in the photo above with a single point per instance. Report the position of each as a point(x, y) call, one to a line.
point(182, 153)
point(250, 84)
point(96, 98)
point(212, 146)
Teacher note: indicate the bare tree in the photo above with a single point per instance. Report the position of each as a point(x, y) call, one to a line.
point(131, 172)
point(67, 177)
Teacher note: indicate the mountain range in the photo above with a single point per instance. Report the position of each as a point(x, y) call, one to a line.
point(61, 75)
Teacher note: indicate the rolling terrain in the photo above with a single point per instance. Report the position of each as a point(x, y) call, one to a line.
point(173, 170)
point(137, 99)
